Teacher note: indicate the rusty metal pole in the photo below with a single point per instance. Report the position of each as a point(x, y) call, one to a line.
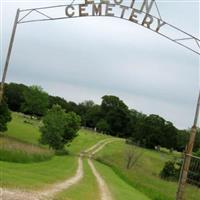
point(8, 54)
point(187, 158)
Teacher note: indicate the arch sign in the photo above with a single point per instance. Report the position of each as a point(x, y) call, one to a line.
point(136, 11)
point(117, 9)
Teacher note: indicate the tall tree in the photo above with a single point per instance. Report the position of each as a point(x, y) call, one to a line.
point(182, 139)
point(116, 114)
point(92, 116)
point(168, 137)
point(153, 130)
point(14, 95)
point(36, 101)
point(59, 127)
point(102, 126)
point(72, 107)
point(82, 110)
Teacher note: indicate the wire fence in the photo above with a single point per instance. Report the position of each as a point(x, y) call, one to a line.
point(192, 190)
point(194, 171)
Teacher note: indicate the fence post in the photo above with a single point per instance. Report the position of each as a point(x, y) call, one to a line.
point(187, 158)
point(8, 55)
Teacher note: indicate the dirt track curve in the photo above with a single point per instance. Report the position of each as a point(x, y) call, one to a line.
point(8, 194)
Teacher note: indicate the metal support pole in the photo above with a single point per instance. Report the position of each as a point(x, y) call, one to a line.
point(187, 158)
point(8, 54)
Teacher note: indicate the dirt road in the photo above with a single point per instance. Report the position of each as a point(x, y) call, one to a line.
point(8, 194)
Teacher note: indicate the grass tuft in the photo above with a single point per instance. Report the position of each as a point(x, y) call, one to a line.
point(12, 150)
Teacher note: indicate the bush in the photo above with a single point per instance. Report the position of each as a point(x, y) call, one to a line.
point(62, 152)
point(170, 171)
point(197, 153)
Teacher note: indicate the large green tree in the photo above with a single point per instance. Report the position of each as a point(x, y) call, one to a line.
point(14, 96)
point(168, 137)
point(183, 138)
point(102, 126)
point(53, 100)
point(153, 130)
point(82, 110)
point(36, 101)
point(59, 127)
point(92, 116)
point(5, 116)
point(116, 114)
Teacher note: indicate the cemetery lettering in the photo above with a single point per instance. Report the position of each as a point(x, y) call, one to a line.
point(115, 8)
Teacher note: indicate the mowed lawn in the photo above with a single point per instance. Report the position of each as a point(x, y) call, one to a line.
point(119, 189)
point(19, 128)
point(29, 132)
point(144, 175)
point(85, 140)
point(37, 175)
point(41, 174)
point(88, 187)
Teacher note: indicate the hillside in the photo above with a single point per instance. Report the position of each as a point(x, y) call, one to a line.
point(145, 173)
point(141, 182)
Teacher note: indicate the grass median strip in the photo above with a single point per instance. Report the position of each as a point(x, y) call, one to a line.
point(85, 140)
point(87, 188)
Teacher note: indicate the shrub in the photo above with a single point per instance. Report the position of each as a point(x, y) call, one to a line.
point(197, 153)
point(62, 152)
point(170, 171)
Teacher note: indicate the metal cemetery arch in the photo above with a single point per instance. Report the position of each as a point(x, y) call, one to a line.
point(130, 12)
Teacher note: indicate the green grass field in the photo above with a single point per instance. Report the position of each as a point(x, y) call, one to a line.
point(37, 175)
point(85, 140)
point(14, 150)
point(27, 132)
point(30, 133)
point(145, 173)
point(119, 188)
point(142, 182)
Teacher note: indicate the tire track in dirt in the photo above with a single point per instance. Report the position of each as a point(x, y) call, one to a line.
point(47, 194)
point(103, 188)
point(7, 194)
point(91, 149)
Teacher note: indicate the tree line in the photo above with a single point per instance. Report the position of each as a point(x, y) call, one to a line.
point(111, 117)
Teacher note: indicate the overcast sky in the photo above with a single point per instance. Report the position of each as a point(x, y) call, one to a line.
point(86, 58)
